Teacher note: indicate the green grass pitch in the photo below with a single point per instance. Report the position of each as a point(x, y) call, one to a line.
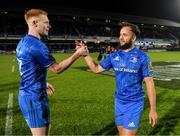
point(83, 101)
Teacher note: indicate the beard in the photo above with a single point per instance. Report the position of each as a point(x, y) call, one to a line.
point(126, 45)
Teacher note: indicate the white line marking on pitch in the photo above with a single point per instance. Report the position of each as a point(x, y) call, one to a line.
point(9, 115)
point(12, 68)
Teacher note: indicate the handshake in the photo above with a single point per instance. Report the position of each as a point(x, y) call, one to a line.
point(81, 48)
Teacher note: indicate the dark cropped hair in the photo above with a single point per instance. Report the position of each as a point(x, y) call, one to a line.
point(134, 28)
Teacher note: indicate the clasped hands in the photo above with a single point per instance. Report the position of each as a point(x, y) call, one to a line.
point(81, 48)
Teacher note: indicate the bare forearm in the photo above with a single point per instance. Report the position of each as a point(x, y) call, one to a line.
point(92, 64)
point(151, 94)
point(68, 62)
point(152, 99)
point(63, 65)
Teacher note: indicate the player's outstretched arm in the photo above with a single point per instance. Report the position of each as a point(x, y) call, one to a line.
point(63, 65)
point(153, 117)
point(92, 65)
point(90, 62)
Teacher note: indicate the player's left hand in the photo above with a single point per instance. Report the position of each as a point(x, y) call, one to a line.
point(49, 88)
point(153, 118)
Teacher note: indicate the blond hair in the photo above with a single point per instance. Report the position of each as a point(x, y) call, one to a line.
point(34, 13)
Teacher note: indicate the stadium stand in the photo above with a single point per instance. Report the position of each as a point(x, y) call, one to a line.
point(95, 31)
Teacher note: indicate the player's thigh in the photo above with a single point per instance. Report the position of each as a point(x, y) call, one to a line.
point(127, 132)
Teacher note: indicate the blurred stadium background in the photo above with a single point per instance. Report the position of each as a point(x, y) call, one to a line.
point(83, 102)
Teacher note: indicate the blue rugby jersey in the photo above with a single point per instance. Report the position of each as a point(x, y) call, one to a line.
point(130, 69)
point(33, 59)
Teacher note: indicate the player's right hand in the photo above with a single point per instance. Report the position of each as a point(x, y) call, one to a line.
point(79, 44)
point(49, 88)
point(81, 48)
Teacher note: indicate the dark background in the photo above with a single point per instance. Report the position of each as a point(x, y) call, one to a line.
point(164, 9)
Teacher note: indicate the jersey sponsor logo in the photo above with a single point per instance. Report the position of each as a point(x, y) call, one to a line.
point(126, 70)
point(131, 124)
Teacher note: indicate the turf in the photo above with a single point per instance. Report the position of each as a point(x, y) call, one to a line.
point(83, 101)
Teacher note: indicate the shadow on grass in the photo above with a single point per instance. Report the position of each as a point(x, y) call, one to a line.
point(168, 122)
point(106, 73)
point(3, 112)
point(83, 68)
point(110, 129)
point(8, 86)
point(16, 110)
point(159, 99)
point(174, 84)
point(163, 63)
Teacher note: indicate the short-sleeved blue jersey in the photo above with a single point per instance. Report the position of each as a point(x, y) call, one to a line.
point(130, 69)
point(33, 59)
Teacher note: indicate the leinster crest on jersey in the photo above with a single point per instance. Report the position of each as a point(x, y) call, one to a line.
point(133, 59)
